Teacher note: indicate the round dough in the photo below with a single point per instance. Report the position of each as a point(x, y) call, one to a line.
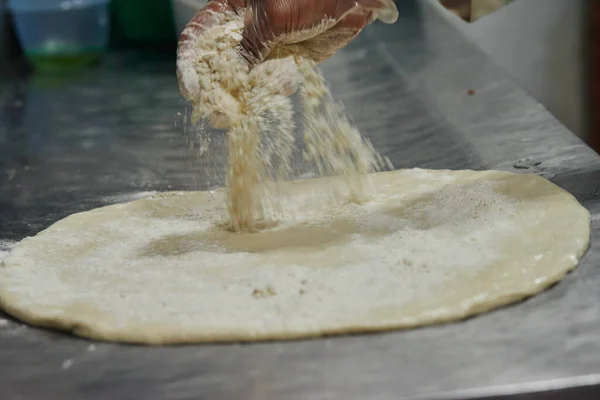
point(427, 247)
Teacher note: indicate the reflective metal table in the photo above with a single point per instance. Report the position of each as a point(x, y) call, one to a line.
point(108, 135)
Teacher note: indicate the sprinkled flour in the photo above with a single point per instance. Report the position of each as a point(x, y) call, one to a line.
point(257, 112)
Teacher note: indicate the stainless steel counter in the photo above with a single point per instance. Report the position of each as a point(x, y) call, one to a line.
point(108, 135)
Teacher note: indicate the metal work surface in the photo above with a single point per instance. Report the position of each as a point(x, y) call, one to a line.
point(109, 135)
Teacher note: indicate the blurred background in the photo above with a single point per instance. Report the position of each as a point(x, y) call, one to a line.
point(548, 47)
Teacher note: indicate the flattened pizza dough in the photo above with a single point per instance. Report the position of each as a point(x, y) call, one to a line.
point(427, 247)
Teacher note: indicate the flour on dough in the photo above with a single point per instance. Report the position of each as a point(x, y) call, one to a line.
point(427, 247)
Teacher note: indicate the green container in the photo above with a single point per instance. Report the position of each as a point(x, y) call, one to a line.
point(143, 21)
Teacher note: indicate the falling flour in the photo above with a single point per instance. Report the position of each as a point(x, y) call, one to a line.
point(256, 110)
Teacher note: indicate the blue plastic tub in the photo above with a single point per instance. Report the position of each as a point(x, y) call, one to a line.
point(58, 34)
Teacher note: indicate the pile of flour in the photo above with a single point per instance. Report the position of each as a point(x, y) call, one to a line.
point(256, 109)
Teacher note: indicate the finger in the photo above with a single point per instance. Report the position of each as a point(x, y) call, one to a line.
point(328, 43)
point(351, 22)
point(384, 10)
point(271, 22)
point(188, 40)
point(258, 38)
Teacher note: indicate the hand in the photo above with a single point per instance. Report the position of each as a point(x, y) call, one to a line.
point(315, 29)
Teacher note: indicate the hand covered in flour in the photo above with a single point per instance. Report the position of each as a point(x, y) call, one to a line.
point(315, 29)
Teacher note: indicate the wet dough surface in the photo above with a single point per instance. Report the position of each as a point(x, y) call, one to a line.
point(427, 247)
